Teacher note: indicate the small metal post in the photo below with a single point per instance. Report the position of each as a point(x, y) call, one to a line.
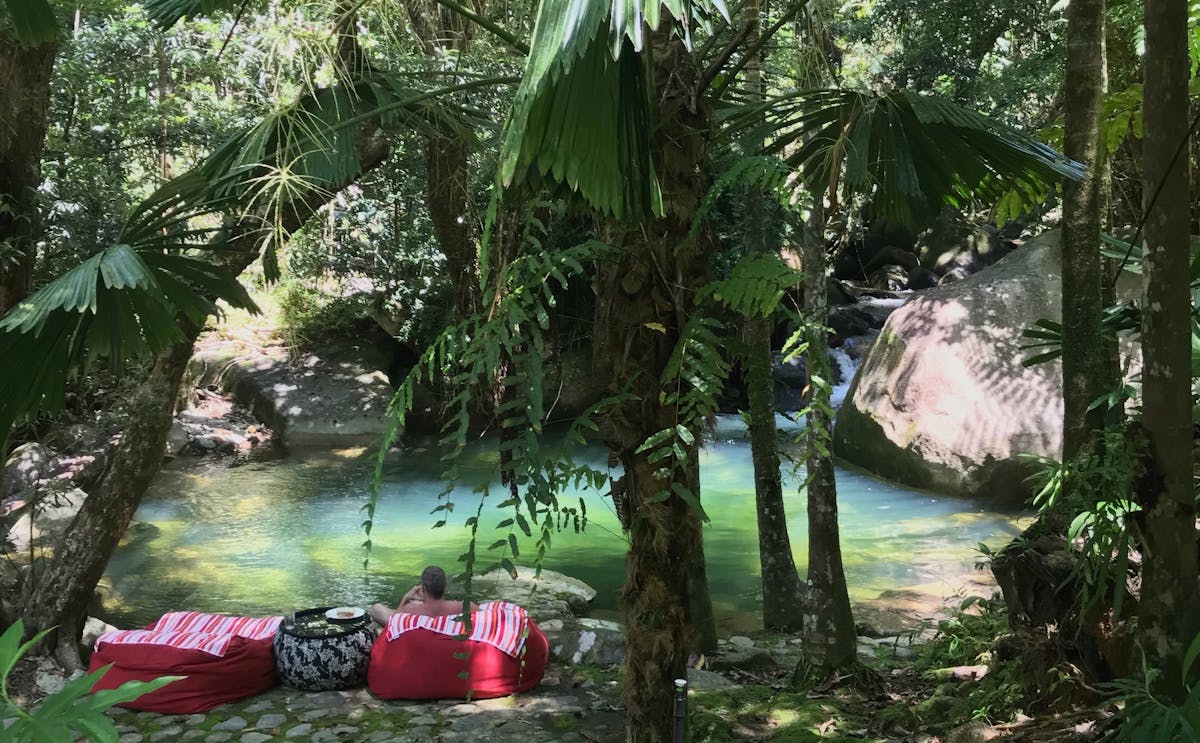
point(680, 711)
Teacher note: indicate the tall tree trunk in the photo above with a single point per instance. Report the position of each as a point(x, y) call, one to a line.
point(782, 590)
point(664, 535)
point(1168, 616)
point(61, 595)
point(643, 302)
point(447, 161)
point(829, 637)
point(24, 100)
point(1085, 362)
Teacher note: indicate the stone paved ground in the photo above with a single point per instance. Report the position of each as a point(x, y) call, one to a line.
point(568, 706)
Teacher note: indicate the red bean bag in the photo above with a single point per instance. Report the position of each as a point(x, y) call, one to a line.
point(419, 657)
point(224, 659)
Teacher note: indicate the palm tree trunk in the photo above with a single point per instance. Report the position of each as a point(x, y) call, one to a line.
point(829, 637)
point(1168, 616)
point(24, 99)
point(664, 535)
point(1085, 361)
point(643, 302)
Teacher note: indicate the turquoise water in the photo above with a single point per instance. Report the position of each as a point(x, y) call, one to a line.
point(286, 534)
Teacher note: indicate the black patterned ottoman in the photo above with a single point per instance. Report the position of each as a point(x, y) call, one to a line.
point(315, 654)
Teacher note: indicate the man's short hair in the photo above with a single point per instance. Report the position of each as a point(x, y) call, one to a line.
point(433, 580)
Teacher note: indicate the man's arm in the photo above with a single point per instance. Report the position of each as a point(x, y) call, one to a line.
point(415, 595)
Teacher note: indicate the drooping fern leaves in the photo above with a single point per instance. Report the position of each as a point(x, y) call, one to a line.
point(692, 379)
point(472, 352)
point(755, 286)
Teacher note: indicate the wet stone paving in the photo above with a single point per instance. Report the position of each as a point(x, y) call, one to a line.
point(571, 710)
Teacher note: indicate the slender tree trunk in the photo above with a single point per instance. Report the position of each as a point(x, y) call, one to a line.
point(829, 637)
point(61, 595)
point(24, 99)
point(1169, 615)
point(1084, 360)
point(447, 161)
point(782, 590)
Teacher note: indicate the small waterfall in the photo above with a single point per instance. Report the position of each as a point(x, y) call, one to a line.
point(847, 366)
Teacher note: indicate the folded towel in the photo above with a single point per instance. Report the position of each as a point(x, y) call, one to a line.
point(500, 624)
point(190, 630)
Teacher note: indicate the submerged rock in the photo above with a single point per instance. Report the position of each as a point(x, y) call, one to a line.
point(942, 401)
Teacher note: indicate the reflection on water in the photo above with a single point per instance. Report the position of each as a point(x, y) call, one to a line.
point(280, 535)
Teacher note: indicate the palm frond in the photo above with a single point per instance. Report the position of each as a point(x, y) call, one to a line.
point(33, 21)
point(909, 154)
point(127, 300)
point(583, 116)
point(167, 13)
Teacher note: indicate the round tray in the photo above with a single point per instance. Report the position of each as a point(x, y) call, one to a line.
point(333, 629)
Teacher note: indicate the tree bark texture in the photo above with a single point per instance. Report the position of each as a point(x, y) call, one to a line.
point(447, 161)
point(1169, 616)
point(1085, 360)
point(830, 640)
point(24, 99)
point(653, 284)
point(782, 590)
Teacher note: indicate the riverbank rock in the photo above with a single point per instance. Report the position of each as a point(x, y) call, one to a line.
point(27, 464)
point(595, 642)
point(547, 596)
point(942, 401)
point(337, 398)
point(44, 518)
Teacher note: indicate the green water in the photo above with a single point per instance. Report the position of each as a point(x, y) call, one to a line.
point(286, 534)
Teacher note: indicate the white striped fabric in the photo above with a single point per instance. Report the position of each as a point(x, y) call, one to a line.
point(500, 624)
point(189, 630)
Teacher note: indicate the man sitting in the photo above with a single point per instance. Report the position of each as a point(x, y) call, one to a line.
point(426, 598)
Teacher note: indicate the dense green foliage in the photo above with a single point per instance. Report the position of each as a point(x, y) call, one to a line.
point(183, 129)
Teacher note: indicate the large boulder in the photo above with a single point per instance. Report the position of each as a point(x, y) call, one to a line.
point(548, 595)
point(335, 398)
point(959, 246)
point(942, 401)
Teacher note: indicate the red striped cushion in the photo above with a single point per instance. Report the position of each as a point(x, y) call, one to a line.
point(500, 624)
point(189, 630)
point(253, 628)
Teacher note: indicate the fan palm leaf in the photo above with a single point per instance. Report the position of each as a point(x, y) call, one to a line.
point(128, 299)
point(583, 116)
point(908, 154)
point(33, 21)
